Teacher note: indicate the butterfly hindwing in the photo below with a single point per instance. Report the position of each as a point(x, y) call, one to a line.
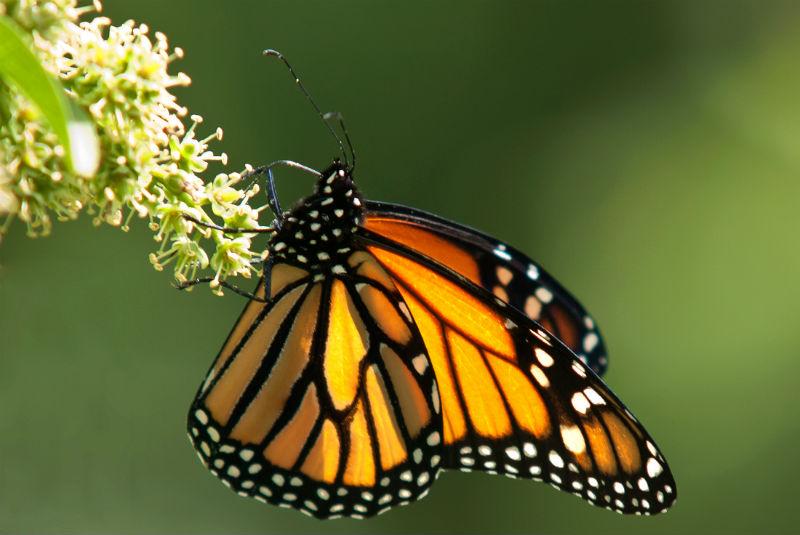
point(517, 401)
point(323, 398)
point(502, 270)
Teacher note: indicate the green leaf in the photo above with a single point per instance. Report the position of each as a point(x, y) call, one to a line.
point(19, 66)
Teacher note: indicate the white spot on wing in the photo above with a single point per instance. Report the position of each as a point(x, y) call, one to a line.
point(501, 254)
point(578, 369)
point(543, 357)
point(590, 342)
point(580, 403)
point(543, 336)
point(654, 468)
point(404, 309)
point(513, 453)
point(573, 438)
point(529, 449)
point(540, 376)
point(420, 363)
point(504, 275)
point(593, 396)
point(544, 295)
point(533, 307)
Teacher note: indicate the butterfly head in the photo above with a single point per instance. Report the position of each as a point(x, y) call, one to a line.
point(318, 231)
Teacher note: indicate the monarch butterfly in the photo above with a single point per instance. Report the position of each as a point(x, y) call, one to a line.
point(383, 345)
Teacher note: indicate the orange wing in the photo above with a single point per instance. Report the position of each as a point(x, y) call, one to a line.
point(498, 268)
point(515, 400)
point(322, 399)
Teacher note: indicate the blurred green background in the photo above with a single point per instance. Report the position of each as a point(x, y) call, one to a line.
point(648, 154)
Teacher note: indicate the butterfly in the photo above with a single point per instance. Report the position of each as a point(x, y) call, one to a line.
point(384, 345)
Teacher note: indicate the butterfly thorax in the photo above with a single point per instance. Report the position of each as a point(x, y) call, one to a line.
point(317, 233)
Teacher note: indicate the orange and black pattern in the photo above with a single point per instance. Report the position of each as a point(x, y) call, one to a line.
point(380, 351)
point(517, 401)
point(507, 273)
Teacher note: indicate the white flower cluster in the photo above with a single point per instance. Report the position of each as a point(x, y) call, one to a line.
point(150, 161)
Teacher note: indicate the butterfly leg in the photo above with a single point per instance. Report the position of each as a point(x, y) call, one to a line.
point(272, 193)
point(272, 197)
point(232, 287)
point(228, 230)
point(266, 272)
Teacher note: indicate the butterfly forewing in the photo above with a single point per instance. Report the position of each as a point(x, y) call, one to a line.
point(517, 401)
point(500, 269)
point(323, 398)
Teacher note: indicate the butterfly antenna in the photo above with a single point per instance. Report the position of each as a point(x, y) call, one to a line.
point(275, 53)
point(338, 116)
